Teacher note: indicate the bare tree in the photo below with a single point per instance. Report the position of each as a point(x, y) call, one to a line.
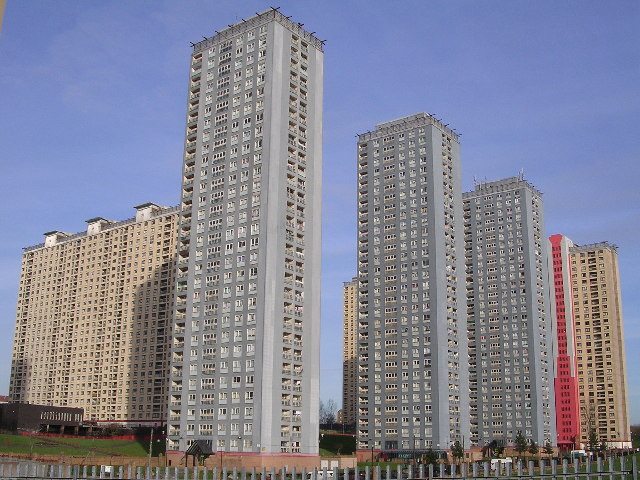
point(327, 412)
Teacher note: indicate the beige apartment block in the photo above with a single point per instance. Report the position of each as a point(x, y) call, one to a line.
point(94, 318)
point(349, 353)
point(600, 344)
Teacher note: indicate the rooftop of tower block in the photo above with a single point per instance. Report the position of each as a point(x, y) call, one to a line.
point(408, 122)
point(593, 246)
point(100, 224)
point(255, 21)
point(509, 183)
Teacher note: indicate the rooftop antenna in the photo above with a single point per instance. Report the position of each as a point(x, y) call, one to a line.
point(192, 44)
point(521, 175)
point(475, 181)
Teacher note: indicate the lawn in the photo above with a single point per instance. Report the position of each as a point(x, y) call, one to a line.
point(337, 444)
point(78, 447)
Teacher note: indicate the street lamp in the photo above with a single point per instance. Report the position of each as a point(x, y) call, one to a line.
point(371, 443)
point(150, 446)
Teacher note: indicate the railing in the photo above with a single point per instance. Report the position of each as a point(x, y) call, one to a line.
point(621, 468)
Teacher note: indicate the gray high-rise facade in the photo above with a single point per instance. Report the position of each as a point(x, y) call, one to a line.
point(245, 352)
point(508, 310)
point(413, 388)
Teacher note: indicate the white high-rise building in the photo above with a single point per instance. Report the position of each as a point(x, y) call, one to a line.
point(508, 310)
point(413, 386)
point(245, 352)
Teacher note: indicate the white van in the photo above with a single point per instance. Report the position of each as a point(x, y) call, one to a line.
point(580, 454)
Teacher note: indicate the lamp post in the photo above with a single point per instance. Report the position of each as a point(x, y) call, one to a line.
point(371, 443)
point(150, 447)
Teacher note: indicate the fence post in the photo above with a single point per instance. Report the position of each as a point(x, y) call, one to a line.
point(367, 473)
point(634, 467)
point(205, 473)
point(378, 473)
point(485, 469)
point(599, 466)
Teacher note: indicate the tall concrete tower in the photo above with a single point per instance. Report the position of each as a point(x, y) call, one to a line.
point(508, 309)
point(245, 353)
point(565, 367)
point(413, 388)
point(349, 351)
point(602, 375)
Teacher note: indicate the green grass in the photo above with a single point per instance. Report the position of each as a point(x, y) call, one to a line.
point(78, 447)
point(326, 453)
point(336, 444)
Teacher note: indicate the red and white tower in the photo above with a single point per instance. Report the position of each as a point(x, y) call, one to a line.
point(565, 366)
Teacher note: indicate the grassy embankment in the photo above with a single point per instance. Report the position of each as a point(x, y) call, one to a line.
point(78, 447)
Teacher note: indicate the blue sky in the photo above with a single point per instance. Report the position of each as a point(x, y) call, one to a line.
point(93, 99)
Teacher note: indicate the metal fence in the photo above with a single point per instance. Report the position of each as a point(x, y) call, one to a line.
point(621, 468)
